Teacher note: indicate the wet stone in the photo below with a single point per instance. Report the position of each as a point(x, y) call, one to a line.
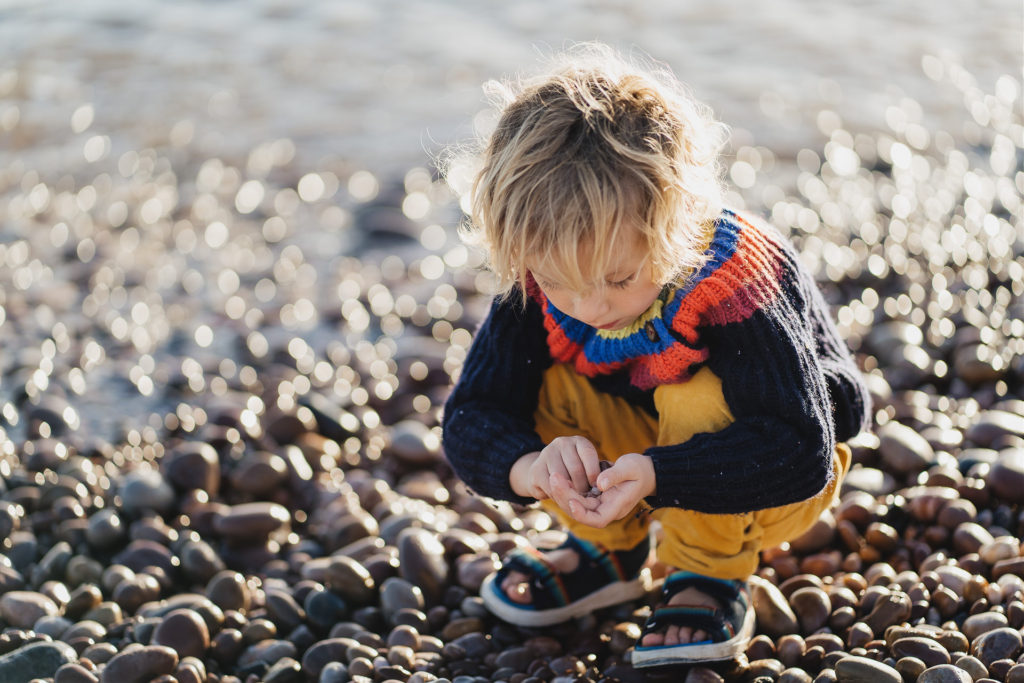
point(139, 665)
point(324, 609)
point(286, 670)
point(972, 665)
point(74, 673)
point(267, 652)
point(105, 529)
point(397, 593)
point(460, 627)
point(812, 608)
point(193, 465)
point(414, 442)
point(229, 591)
point(22, 609)
point(870, 480)
point(349, 578)
point(199, 561)
point(515, 658)
point(422, 561)
point(1006, 477)
point(35, 660)
point(183, 631)
point(145, 489)
point(283, 610)
point(143, 553)
point(903, 450)
point(774, 614)
point(54, 627)
point(337, 672)
point(977, 624)
point(910, 667)
point(992, 425)
point(927, 650)
point(1001, 643)
point(259, 473)
point(474, 645)
point(323, 652)
point(865, 670)
point(944, 673)
point(252, 521)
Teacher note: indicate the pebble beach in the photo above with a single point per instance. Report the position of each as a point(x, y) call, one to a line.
point(230, 316)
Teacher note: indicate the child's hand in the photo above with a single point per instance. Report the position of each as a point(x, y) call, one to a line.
point(573, 458)
point(622, 486)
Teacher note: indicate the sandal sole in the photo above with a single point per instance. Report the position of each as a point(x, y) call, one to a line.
point(612, 594)
point(696, 653)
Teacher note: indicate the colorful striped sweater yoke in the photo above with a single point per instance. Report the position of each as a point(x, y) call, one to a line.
point(752, 314)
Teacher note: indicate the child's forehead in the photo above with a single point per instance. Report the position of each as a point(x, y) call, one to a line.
point(587, 262)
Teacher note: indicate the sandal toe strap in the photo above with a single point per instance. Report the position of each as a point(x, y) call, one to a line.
point(543, 574)
point(713, 621)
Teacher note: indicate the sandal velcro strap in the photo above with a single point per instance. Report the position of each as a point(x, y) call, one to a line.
point(722, 590)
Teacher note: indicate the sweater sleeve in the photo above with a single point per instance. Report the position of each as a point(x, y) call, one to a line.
point(488, 417)
point(779, 449)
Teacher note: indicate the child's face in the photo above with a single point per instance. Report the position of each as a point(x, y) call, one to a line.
point(624, 291)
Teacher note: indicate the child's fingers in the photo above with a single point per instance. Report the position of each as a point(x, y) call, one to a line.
point(575, 470)
point(589, 458)
point(618, 473)
point(561, 492)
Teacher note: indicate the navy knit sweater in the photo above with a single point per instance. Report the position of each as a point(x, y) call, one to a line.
point(752, 314)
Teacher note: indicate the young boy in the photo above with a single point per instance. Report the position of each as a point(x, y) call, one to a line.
point(640, 324)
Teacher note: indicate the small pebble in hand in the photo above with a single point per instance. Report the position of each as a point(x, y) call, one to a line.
point(594, 492)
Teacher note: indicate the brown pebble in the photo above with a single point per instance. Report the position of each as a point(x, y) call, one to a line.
point(760, 647)
point(794, 675)
point(890, 609)
point(865, 670)
point(184, 631)
point(774, 615)
point(74, 673)
point(910, 667)
point(139, 665)
point(812, 608)
point(927, 650)
point(22, 609)
point(1015, 674)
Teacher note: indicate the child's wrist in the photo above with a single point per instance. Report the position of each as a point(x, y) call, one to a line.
point(651, 481)
point(518, 476)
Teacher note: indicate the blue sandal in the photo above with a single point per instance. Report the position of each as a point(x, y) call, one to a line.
point(602, 578)
point(729, 627)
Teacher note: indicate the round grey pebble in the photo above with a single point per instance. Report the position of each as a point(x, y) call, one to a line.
point(35, 660)
point(944, 673)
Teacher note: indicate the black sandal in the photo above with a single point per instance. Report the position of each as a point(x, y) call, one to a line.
point(602, 578)
point(729, 627)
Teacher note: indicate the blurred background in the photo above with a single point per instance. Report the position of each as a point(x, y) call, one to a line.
point(383, 84)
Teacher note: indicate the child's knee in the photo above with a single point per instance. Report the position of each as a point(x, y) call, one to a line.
point(783, 524)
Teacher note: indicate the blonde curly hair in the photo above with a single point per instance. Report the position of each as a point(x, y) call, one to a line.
point(596, 145)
